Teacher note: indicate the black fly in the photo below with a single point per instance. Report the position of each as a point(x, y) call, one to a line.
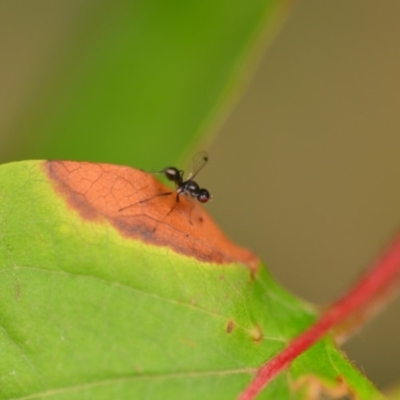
point(185, 187)
point(189, 186)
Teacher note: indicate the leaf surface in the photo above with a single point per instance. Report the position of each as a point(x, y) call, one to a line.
point(98, 303)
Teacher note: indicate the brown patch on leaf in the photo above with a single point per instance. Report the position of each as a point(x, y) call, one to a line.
point(316, 388)
point(230, 326)
point(113, 193)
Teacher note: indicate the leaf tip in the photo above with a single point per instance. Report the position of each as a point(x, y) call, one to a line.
point(142, 208)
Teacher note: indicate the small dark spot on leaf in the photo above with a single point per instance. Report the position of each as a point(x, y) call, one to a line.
point(230, 326)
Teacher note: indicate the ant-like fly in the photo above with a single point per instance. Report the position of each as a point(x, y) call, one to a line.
point(185, 187)
point(189, 186)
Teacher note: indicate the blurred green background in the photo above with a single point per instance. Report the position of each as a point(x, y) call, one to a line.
point(304, 171)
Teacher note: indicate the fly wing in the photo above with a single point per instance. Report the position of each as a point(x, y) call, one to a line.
point(199, 160)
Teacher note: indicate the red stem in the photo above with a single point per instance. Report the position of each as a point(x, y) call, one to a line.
point(377, 282)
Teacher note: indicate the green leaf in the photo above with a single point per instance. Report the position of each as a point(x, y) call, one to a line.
point(140, 80)
point(96, 303)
